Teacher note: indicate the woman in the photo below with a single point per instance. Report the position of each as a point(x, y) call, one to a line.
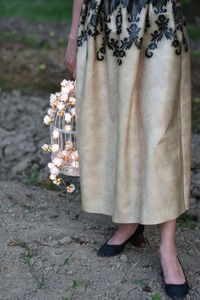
point(131, 61)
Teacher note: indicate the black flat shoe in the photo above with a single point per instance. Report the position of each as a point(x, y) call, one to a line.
point(176, 291)
point(111, 250)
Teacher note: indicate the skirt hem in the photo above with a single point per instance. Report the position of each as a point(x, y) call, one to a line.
point(141, 221)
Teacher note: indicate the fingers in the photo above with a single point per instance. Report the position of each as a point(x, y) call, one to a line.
point(74, 73)
point(71, 67)
point(70, 62)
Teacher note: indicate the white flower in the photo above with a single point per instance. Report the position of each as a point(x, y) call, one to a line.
point(46, 148)
point(50, 165)
point(57, 161)
point(57, 95)
point(55, 147)
point(55, 133)
point(65, 90)
point(72, 100)
point(57, 181)
point(55, 171)
point(64, 97)
point(53, 99)
point(59, 154)
point(52, 177)
point(68, 117)
point(70, 188)
point(64, 82)
point(47, 120)
point(50, 111)
point(72, 85)
point(64, 154)
point(67, 127)
point(73, 111)
point(60, 105)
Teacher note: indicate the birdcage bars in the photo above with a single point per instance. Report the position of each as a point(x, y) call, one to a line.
point(67, 135)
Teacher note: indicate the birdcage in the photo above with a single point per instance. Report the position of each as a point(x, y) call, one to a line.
point(61, 116)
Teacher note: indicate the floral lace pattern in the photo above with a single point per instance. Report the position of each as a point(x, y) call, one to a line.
point(101, 12)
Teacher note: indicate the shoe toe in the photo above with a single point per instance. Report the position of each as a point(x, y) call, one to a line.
point(176, 291)
point(109, 250)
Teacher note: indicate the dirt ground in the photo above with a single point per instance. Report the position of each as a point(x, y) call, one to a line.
point(48, 243)
point(48, 251)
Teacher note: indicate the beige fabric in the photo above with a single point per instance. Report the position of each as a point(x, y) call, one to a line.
point(134, 125)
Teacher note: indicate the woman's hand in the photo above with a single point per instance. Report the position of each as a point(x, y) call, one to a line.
point(70, 54)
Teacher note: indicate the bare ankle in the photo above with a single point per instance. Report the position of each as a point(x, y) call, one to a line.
point(168, 250)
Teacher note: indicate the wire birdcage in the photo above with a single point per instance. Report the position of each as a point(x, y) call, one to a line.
point(61, 117)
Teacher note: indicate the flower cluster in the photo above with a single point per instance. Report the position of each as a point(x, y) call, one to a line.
point(61, 118)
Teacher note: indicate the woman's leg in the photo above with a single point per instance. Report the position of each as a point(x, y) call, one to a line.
point(171, 267)
point(123, 233)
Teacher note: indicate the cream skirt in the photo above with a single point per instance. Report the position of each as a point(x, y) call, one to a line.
point(133, 107)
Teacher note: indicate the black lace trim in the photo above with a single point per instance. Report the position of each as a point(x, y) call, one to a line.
point(101, 17)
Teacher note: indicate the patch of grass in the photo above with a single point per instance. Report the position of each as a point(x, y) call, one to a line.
point(68, 258)
point(194, 32)
point(27, 40)
point(188, 220)
point(66, 261)
point(195, 53)
point(26, 258)
point(156, 296)
point(75, 285)
point(195, 114)
point(142, 282)
point(37, 10)
point(124, 280)
point(28, 254)
point(33, 42)
point(48, 184)
point(16, 202)
point(35, 181)
point(53, 10)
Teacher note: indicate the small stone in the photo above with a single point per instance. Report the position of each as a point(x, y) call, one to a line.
point(117, 264)
point(22, 165)
point(70, 272)
point(73, 215)
point(28, 194)
point(54, 243)
point(43, 205)
point(65, 240)
point(123, 258)
point(59, 251)
point(83, 257)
